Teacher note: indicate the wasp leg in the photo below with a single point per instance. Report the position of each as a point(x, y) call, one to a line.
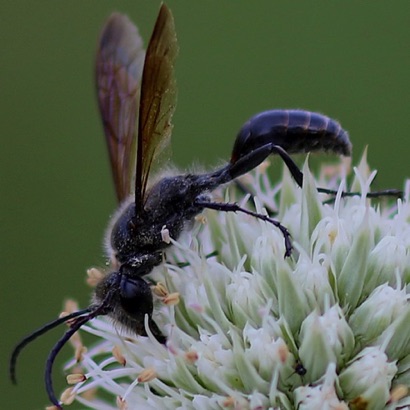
point(228, 207)
point(254, 158)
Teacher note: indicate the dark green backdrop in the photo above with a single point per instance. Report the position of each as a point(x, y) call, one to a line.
point(347, 59)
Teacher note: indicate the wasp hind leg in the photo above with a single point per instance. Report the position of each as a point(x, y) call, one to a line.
point(232, 207)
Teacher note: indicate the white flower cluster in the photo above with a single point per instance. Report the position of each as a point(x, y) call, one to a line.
point(327, 328)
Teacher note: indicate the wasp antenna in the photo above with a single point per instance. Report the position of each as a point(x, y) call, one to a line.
point(92, 313)
point(54, 352)
point(35, 335)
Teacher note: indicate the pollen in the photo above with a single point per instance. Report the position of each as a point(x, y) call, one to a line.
point(79, 353)
point(70, 306)
point(160, 290)
point(121, 403)
point(165, 235)
point(246, 179)
point(359, 403)
point(76, 378)
point(201, 218)
point(229, 402)
point(172, 299)
point(94, 277)
point(147, 375)
point(398, 392)
point(191, 356)
point(262, 168)
point(68, 396)
point(119, 357)
point(283, 353)
point(332, 235)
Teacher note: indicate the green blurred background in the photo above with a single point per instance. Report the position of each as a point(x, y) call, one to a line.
point(348, 59)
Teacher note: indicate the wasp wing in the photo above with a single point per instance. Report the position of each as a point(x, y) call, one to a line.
point(158, 100)
point(119, 65)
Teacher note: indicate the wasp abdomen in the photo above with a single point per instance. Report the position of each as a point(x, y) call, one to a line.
point(293, 130)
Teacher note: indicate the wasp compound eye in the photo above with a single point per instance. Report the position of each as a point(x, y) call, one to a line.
point(135, 296)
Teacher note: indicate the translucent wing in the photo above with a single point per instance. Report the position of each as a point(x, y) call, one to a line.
point(158, 99)
point(119, 65)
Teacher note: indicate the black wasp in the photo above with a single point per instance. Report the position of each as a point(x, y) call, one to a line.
point(136, 95)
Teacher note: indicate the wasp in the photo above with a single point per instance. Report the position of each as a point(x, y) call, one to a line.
point(137, 97)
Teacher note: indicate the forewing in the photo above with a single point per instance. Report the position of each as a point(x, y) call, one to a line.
point(119, 65)
point(158, 99)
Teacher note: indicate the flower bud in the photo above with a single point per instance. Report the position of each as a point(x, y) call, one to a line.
point(368, 378)
point(325, 339)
